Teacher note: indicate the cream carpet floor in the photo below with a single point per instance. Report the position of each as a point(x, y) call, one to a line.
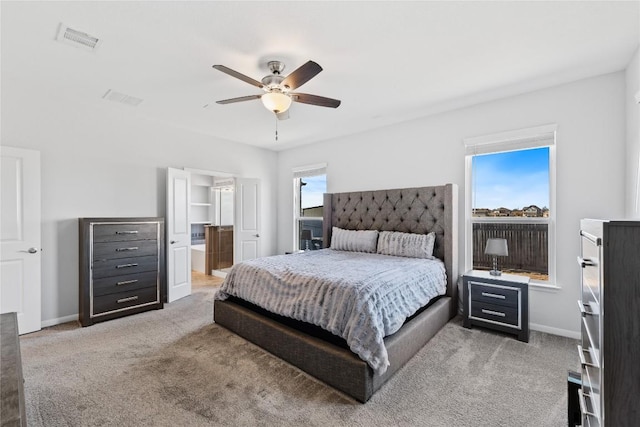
point(175, 367)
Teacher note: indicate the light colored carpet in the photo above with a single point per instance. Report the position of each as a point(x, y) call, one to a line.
point(174, 367)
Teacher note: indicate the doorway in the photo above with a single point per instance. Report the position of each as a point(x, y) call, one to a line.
point(212, 224)
point(198, 201)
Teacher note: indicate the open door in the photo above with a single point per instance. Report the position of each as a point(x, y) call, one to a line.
point(20, 259)
point(247, 220)
point(178, 234)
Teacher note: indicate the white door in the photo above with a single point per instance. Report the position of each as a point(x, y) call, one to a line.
point(20, 236)
point(247, 221)
point(178, 234)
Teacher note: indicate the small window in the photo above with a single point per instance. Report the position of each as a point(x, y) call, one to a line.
point(310, 184)
point(511, 197)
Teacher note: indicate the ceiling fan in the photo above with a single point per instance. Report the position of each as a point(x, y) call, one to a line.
point(278, 89)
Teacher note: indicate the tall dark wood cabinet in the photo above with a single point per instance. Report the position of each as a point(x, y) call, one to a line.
point(122, 267)
point(610, 308)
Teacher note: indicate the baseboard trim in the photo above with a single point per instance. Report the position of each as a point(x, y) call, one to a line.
point(555, 331)
point(58, 321)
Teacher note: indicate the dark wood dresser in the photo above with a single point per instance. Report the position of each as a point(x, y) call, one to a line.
point(122, 267)
point(12, 409)
point(609, 304)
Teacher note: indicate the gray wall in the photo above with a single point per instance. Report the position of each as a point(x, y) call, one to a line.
point(590, 115)
point(632, 205)
point(100, 162)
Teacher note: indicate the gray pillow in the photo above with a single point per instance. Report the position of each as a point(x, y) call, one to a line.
point(354, 240)
point(406, 244)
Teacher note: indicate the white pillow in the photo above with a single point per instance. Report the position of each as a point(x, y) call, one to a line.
point(354, 240)
point(406, 244)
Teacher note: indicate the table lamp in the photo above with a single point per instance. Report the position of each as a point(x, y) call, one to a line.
point(496, 248)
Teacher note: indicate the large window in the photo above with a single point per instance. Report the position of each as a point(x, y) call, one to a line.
point(309, 186)
point(511, 180)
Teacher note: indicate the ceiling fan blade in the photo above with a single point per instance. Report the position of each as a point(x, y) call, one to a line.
point(283, 116)
point(238, 75)
point(321, 101)
point(240, 99)
point(301, 75)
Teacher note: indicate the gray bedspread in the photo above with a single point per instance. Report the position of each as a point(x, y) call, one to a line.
point(360, 297)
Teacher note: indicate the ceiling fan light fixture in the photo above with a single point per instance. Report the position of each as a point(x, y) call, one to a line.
point(276, 101)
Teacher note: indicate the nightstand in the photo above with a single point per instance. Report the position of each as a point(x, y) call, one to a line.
point(497, 302)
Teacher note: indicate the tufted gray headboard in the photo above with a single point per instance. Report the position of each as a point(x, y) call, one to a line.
point(411, 210)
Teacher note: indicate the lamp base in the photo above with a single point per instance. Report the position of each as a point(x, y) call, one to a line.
point(495, 272)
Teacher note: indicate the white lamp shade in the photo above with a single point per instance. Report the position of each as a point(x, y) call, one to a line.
point(496, 247)
point(276, 102)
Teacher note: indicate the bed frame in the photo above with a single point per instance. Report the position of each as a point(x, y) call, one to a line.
point(415, 210)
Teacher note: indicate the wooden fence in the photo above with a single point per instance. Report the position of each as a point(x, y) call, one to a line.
point(527, 243)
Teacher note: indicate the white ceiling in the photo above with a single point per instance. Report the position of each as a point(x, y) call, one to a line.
point(388, 61)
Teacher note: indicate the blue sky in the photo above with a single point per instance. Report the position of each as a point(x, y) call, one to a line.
point(513, 179)
point(313, 191)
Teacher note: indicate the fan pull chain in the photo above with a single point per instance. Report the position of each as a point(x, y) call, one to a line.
point(276, 127)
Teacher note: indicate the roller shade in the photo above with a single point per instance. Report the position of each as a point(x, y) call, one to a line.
point(312, 170)
point(541, 136)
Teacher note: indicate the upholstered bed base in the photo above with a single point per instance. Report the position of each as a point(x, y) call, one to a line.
point(334, 365)
point(415, 210)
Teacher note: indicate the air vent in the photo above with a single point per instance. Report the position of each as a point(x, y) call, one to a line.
point(77, 38)
point(114, 96)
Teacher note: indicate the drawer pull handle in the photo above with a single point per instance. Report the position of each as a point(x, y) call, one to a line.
point(133, 248)
point(583, 360)
point(127, 232)
point(121, 300)
point(583, 404)
point(494, 313)
point(126, 265)
point(490, 295)
point(583, 309)
point(585, 262)
point(126, 282)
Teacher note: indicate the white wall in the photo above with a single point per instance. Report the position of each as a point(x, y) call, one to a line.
point(632, 205)
point(110, 162)
point(590, 115)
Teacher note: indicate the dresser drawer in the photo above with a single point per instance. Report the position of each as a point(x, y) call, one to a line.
point(124, 232)
point(129, 282)
point(495, 313)
point(120, 300)
point(116, 267)
point(127, 249)
point(494, 294)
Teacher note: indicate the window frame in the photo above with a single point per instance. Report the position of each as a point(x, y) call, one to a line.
point(298, 175)
point(522, 139)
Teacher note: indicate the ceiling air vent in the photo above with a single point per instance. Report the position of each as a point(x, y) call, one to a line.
point(114, 96)
point(76, 38)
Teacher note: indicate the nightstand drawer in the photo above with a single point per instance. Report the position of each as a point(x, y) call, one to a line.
point(495, 313)
point(494, 294)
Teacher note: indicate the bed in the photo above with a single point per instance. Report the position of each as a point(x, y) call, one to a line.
point(326, 356)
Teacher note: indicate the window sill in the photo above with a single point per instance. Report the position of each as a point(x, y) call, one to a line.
point(545, 287)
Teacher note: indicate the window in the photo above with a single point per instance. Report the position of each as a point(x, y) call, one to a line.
point(511, 182)
point(309, 186)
